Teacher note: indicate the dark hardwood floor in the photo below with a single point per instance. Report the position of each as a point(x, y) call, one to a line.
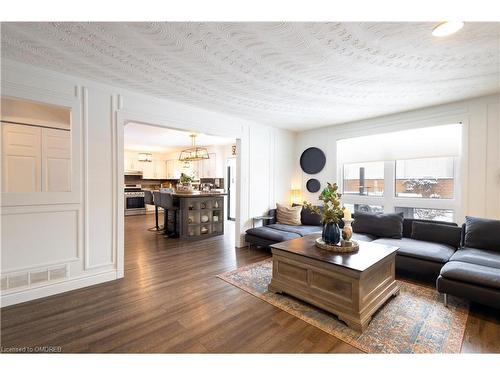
point(171, 301)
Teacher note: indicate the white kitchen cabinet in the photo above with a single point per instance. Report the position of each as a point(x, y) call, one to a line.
point(155, 170)
point(21, 158)
point(174, 169)
point(170, 168)
point(207, 167)
point(56, 160)
point(147, 168)
point(160, 169)
point(130, 163)
point(35, 159)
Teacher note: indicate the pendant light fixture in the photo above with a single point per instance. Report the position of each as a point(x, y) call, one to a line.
point(146, 157)
point(194, 153)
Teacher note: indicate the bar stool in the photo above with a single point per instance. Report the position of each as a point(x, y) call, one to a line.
point(157, 201)
point(148, 199)
point(168, 205)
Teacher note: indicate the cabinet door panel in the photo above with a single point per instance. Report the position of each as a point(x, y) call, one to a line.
point(148, 170)
point(56, 160)
point(160, 169)
point(21, 169)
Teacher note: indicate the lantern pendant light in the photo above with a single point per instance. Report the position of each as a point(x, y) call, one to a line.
point(194, 153)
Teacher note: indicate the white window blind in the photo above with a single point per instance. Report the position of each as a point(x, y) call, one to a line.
point(436, 141)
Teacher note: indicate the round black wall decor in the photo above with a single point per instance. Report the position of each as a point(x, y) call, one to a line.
point(313, 185)
point(312, 160)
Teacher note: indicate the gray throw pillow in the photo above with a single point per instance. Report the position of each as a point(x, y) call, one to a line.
point(380, 225)
point(308, 217)
point(439, 233)
point(482, 233)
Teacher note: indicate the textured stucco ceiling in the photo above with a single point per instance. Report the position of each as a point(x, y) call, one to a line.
point(290, 75)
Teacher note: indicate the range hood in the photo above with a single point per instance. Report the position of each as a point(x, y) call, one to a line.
point(133, 173)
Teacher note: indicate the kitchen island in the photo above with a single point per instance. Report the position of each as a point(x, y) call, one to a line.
point(201, 214)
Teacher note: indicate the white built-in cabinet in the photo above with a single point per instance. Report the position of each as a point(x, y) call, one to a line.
point(35, 159)
point(160, 169)
point(56, 160)
point(207, 168)
point(154, 170)
point(172, 170)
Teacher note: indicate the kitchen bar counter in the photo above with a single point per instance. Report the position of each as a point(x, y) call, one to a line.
point(198, 194)
point(200, 214)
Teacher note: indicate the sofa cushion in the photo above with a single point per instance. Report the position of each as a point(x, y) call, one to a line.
point(432, 232)
point(408, 224)
point(482, 257)
point(482, 233)
point(308, 217)
point(288, 215)
point(431, 251)
point(472, 273)
point(271, 234)
point(363, 237)
point(301, 230)
point(380, 225)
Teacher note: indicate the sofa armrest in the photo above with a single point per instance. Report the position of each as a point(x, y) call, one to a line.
point(272, 213)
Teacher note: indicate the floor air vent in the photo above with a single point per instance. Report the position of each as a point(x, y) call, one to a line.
point(57, 273)
point(39, 277)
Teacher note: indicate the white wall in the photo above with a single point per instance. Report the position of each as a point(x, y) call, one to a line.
point(81, 232)
point(480, 165)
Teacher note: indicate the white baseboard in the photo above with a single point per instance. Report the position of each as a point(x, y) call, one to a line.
point(241, 243)
point(61, 287)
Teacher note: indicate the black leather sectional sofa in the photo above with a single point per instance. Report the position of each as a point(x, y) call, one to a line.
point(473, 272)
point(464, 260)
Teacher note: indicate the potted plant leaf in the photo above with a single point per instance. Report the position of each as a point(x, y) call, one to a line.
point(331, 213)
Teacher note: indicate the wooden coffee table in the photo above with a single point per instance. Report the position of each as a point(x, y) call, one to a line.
point(352, 286)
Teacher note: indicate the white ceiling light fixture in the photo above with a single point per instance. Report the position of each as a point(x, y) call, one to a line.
point(447, 28)
point(146, 157)
point(194, 153)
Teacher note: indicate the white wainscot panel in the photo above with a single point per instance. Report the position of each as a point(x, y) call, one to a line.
point(36, 239)
point(99, 191)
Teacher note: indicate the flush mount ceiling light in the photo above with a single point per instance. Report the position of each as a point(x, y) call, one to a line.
point(145, 157)
point(447, 28)
point(194, 153)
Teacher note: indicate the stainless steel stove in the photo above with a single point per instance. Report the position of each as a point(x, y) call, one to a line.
point(134, 200)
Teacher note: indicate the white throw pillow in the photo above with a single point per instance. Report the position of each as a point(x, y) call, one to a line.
point(288, 215)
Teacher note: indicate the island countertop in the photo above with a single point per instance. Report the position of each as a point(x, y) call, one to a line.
point(197, 194)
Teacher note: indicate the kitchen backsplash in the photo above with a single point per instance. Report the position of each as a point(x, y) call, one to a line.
point(156, 184)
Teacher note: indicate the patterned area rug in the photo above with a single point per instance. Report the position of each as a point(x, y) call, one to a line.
point(415, 321)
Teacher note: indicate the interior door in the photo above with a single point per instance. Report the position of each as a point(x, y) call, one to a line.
point(231, 188)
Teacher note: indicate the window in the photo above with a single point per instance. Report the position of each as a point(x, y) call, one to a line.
point(425, 178)
point(364, 178)
point(413, 171)
point(426, 213)
point(364, 208)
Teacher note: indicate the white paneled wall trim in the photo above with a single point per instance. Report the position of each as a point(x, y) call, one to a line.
point(98, 117)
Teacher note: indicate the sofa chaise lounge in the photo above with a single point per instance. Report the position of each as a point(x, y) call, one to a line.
point(473, 272)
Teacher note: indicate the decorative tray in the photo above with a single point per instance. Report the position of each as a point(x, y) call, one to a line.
point(336, 248)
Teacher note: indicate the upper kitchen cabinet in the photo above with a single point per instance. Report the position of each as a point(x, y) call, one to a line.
point(160, 169)
point(154, 170)
point(36, 147)
point(208, 167)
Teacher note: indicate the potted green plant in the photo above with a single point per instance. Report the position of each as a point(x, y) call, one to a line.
point(331, 213)
point(185, 179)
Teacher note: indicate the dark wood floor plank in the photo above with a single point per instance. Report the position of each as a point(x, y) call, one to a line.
point(171, 301)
